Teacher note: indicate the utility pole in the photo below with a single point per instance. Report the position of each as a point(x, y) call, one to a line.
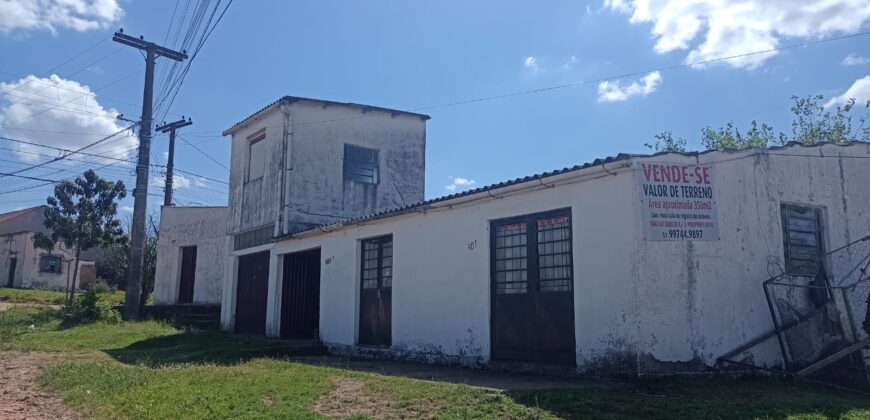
point(170, 160)
point(140, 193)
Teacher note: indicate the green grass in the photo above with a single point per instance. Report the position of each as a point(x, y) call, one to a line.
point(152, 370)
point(48, 297)
point(44, 297)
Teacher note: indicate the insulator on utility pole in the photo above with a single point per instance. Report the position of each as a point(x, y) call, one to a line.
point(170, 160)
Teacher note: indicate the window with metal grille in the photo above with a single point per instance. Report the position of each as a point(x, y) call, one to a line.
point(360, 164)
point(50, 264)
point(252, 238)
point(554, 254)
point(511, 261)
point(377, 262)
point(802, 239)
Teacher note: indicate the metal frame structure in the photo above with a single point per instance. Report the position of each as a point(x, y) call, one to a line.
point(853, 344)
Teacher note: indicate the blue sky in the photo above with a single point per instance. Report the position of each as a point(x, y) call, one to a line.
point(410, 54)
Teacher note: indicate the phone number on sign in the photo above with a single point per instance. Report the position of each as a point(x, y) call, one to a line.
point(683, 234)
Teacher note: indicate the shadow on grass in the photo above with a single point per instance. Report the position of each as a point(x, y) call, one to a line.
point(206, 347)
point(725, 398)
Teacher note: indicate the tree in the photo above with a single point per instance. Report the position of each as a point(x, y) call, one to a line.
point(81, 215)
point(149, 263)
point(665, 142)
point(813, 122)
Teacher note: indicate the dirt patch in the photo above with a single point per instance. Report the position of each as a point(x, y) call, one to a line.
point(352, 398)
point(21, 396)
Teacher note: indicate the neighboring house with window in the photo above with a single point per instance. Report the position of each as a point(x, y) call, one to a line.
point(24, 266)
point(628, 265)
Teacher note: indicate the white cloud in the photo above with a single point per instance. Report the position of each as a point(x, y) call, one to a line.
point(531, 63)
point(732, 27)
point(178, 182)
point(127, 209)
point(860, 91)
point(55, 112)
point(457, 183)
point(613, 91)
point(51, 15)
point(569, 63)
point(855, 60)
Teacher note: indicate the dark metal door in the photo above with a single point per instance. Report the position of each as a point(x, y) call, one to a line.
point(376, 290)
point(11, 280)
point(251, 293)
point(532, 288)
point(188, 274)
point(300, 295)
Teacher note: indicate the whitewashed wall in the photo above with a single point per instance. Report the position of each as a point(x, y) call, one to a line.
point(203, 227)
point(441, 282)
point(27, 274)
point(641, 307)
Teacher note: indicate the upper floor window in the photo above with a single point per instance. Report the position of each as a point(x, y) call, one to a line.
point(256, 157)
point(50, 264)
point(360, 164)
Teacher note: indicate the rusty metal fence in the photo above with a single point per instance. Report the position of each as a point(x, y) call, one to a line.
point(821, 322)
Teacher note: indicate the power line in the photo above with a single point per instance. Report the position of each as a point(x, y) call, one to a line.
point(78, 97)
point(107, 157)
point(599, 80)
point(204, 153)
point(49, 71)
point(76, 151)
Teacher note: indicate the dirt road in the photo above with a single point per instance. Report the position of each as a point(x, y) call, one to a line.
point(21, 396)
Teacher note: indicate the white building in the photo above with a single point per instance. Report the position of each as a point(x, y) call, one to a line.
point(633, 264)
point(191, 253)
point(24, 266)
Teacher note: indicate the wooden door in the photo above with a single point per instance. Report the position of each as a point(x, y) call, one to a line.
point(300, 295)
point(251, 293)
point(532, 288)
point(188, 274)
point(11, 279)
point(376, 291)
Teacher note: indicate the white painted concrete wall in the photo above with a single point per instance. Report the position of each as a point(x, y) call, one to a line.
point(27, 274)
point(203, 227)
point(311, 154)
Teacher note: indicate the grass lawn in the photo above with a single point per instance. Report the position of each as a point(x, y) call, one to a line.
point(151, 370)
point(45, 297)
point(49, 297)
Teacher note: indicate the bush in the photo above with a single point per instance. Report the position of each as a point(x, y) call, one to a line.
point(93, 305)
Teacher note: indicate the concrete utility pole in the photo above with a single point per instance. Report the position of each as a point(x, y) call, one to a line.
point(170, 160)
point(140, 193)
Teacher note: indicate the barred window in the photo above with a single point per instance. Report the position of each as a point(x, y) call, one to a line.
point(511, 262)
point(252, 238)
point(377, 262)
point(533, 253)
point(50, 264)
point(360, 164)
point(802, 239)
point(554, 254)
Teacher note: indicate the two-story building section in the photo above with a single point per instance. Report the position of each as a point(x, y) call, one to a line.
point(300, 163)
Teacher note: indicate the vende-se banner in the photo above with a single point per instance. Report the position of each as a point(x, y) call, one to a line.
point(678, 202)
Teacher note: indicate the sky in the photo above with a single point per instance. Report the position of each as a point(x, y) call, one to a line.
point(63, 81)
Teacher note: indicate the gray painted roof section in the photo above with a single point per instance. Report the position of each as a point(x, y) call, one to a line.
point(291, 99)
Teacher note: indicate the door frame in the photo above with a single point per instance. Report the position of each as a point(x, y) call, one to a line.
point(13, 267)
point(181, 273)
point(388, 237)
point(532, 283)
point(238, 272)
point(313, 253)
